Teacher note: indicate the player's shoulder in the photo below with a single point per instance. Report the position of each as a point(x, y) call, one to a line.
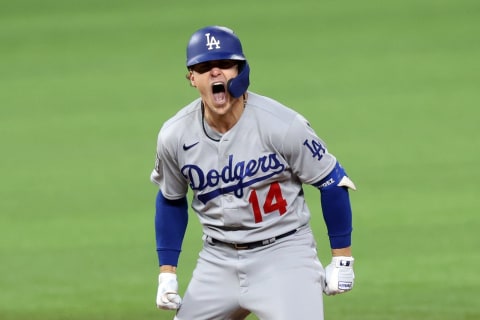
point(180, 125)
point(184, 117)
point(271, 107)
point(285, 120)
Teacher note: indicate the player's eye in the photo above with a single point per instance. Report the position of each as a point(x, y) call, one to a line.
point(226, 64)
point(202, 67)
point(209, 65)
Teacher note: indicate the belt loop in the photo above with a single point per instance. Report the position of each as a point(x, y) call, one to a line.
point(210, 240)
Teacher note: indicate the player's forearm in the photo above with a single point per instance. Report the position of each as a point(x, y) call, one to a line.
point(336, 207)
point(171, 220)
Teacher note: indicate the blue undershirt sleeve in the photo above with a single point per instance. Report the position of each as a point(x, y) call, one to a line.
point(336, 208)
point(171, 219)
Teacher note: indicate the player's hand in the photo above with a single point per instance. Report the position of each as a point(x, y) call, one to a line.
point(167, 294)
point(339, 275)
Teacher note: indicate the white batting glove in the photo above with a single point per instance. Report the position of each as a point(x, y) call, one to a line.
point(339, 275)
point(167, 293)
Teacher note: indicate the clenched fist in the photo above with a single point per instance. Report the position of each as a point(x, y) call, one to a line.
point(339, 275)
point(167, 295)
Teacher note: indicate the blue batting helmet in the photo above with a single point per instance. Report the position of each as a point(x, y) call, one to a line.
point(220, 43)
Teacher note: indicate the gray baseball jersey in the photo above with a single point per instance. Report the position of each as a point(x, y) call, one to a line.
point(247, 182)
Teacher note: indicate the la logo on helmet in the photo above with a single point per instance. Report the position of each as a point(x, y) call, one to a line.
point(211, 41)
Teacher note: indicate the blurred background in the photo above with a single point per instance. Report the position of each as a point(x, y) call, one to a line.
point(392, 87)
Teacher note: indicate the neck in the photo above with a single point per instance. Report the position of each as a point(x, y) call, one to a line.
point(224, 122)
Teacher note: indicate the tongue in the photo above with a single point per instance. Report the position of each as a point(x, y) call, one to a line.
point(219, 96)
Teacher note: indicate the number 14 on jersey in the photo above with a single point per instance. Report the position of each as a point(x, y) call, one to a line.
point(274, 201)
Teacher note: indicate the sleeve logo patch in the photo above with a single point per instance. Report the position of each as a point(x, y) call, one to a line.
point(316, 148)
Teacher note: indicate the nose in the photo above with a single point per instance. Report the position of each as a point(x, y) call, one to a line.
point(215, 71)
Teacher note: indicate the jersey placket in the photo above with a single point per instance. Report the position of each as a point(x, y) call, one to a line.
point(229, 201)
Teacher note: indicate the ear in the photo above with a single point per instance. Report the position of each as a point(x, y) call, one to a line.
point(191, 78)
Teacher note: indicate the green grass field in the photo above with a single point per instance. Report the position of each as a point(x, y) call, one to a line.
point(392, 87)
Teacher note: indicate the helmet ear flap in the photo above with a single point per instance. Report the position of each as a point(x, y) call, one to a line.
point(238, 85)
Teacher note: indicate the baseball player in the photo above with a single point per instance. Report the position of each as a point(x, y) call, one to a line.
point(246, 158)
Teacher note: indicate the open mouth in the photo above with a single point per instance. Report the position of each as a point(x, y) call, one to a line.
point(218, 90)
